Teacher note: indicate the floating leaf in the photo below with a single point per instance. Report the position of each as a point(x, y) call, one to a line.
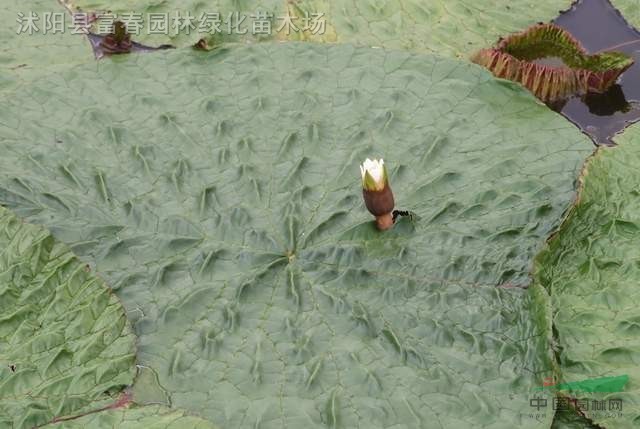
point(591, 272)
point(66, 346)
point(629, 9)
point(26, 56)
point(149, 417)
point(453, 28)
point(224, 205)
point(514, 58)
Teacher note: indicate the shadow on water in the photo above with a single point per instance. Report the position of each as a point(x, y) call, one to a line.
point(600, 27)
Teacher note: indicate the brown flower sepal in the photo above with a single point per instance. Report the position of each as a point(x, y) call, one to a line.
point(380, 204)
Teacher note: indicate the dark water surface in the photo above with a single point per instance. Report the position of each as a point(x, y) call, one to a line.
point(600, 27)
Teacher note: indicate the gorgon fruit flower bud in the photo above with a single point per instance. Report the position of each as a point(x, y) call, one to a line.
point(377, 193)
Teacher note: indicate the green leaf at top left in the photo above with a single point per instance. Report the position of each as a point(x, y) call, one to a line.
point(27, 54)
point(66, 347)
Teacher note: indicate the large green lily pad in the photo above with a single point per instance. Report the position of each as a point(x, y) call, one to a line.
point(66, 346)
point(221, 198)
point(454, 28)
point(150, 417)
point(630, 10)
point(590, 270)
point(26, 56)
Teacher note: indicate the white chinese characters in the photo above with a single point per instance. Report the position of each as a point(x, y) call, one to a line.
point(178, 22)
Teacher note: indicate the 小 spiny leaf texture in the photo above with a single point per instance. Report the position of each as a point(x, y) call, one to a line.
point(219, 194)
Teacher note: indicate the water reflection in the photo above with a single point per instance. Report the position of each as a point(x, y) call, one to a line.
point(601, 27)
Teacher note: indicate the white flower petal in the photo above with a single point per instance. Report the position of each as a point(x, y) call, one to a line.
point(375, 168)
